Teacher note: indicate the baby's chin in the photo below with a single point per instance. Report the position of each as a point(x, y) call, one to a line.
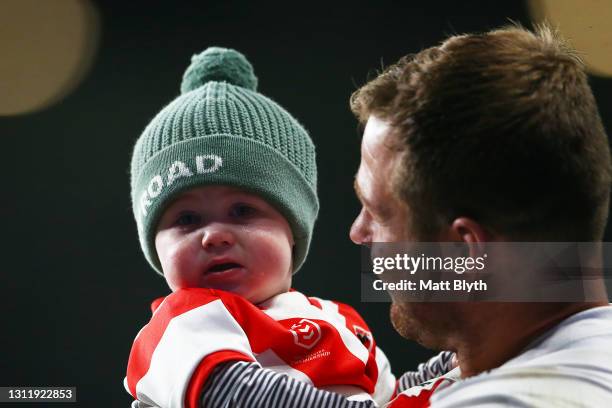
point(254, 296)
point(241, 282)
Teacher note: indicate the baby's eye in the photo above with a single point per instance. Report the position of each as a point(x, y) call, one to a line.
point(242, 210)
point(186, 219)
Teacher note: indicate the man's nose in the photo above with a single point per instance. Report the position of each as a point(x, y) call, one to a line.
point(217, 236)
point(359, 232)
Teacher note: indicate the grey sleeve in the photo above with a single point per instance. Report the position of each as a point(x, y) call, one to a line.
point(434, 367)
point(244, 384)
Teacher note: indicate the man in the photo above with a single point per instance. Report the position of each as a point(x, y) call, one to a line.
point(492, 137)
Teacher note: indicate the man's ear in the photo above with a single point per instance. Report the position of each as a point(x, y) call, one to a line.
point(472, 233)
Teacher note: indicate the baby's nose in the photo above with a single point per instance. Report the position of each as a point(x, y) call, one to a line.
point(217, 236)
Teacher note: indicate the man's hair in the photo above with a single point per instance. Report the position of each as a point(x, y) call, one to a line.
point(501, 127)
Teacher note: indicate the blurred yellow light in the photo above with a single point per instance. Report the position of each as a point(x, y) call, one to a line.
point(46, 47)
point(586, 24)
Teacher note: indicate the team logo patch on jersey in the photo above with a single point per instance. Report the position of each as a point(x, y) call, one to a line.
point(306, 333)
point(364, 336)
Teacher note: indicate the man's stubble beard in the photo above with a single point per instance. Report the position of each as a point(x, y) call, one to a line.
point(429, 324)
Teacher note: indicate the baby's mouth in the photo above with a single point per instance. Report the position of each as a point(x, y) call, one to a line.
point(222, 267)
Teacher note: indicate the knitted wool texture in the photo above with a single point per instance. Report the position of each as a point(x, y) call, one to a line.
point(220, 131)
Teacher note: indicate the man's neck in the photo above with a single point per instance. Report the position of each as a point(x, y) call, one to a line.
point(509, 329)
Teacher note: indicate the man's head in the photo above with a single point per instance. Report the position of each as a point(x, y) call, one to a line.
point(500, 127)
point(220, 134)
point(485, 137)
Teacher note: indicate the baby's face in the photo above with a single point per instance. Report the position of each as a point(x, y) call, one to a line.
point(224, 238)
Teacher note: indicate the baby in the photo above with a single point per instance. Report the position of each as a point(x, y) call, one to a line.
point(224, 195)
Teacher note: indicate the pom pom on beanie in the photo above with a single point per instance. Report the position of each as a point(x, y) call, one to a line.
point(219, 64)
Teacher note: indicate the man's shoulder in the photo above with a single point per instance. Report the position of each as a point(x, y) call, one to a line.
point(583, 341)
point(569, 366)
point(530, 386)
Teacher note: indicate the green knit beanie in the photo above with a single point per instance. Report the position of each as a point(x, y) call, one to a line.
point(220, 131)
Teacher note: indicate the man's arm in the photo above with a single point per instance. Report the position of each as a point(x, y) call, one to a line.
point(243, 384)
point(432, 368)
point(246, 384)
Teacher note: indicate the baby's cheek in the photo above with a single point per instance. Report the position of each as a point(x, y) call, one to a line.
point(272, 258)
point(181, 267)
point(277, 251)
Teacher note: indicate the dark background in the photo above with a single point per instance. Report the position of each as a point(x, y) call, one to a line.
point(75, 286)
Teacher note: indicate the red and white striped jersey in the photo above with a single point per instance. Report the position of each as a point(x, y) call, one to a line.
point(319, 342)
point(419, 396)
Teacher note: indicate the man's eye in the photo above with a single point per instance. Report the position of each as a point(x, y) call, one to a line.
point(242, 210)
point(188, 219)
